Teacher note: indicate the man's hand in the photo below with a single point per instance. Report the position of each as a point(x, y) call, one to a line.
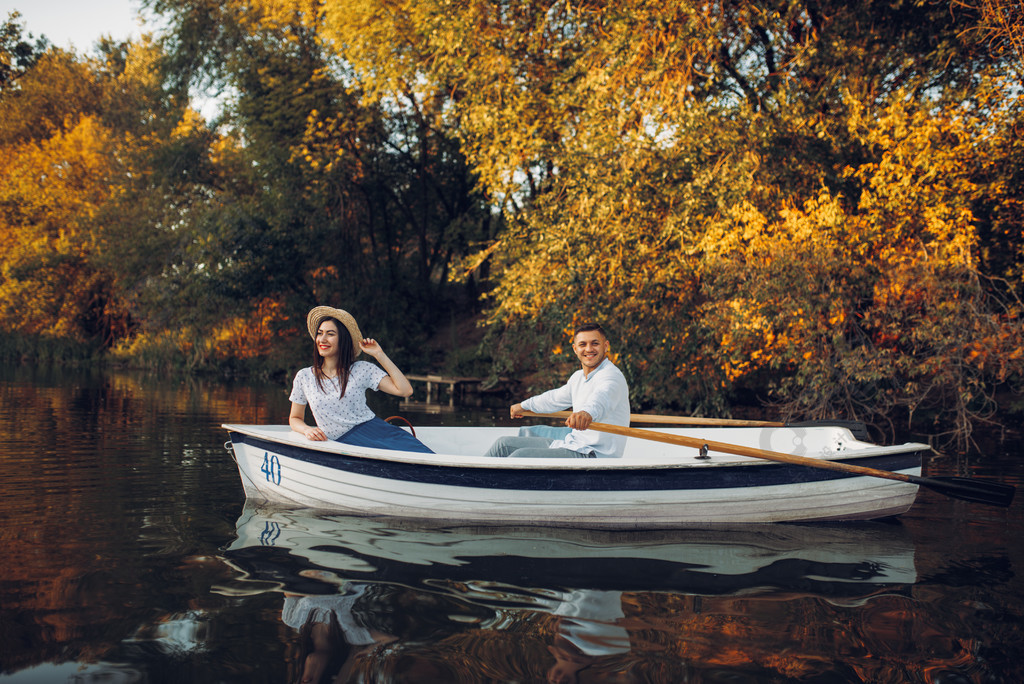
point(580, 420)
point(516, 410)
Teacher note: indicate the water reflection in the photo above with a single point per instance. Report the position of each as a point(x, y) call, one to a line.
point(119, 508)
point(372, 599)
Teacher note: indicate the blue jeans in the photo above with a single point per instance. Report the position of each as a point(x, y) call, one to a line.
point(549, 431)
point(381, 434)
point(530, 447)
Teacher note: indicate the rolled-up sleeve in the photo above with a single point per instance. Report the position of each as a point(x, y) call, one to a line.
point(604, 395)
point(553, 400)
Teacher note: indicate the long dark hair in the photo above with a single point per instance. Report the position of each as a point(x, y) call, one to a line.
point(346, 357)
point(304, 646)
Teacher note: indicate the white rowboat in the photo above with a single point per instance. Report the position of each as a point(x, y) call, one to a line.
point(654, 485)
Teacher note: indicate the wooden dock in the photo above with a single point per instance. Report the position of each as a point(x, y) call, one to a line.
point(456, 385)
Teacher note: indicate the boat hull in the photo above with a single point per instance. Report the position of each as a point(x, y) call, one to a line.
point(653, 486)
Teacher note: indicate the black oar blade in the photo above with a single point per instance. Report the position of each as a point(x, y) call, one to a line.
point(979, 491)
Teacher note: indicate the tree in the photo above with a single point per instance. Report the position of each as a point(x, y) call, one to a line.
point(329, 199)
point(700, 176)
point(17, 53)
point(83, 142)
point(58, 170)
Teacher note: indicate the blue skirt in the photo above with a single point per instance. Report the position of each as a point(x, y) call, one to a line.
point(381, 434)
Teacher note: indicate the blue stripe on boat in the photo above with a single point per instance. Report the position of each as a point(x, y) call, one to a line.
point(618, 479)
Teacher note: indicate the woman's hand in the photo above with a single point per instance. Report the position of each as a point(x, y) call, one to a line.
point(396, 383)
point(297, 421)
point(370, 346)
point(315, 434)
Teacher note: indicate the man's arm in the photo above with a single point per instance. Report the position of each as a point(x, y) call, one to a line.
point(580, 420)
point(557, 399)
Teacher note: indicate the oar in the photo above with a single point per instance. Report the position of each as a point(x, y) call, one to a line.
point(689, 420)
point(968, 489)
point(678, 420)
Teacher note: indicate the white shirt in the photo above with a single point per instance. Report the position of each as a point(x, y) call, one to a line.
point(604, 395)
point(337, 415)
point(298, 610)
point(590, 621)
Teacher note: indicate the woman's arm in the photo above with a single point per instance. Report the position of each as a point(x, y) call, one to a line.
point(396, 383)
point(297, 421)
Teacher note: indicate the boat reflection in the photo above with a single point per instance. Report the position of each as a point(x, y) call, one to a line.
point(276, 545)
point(382, 599)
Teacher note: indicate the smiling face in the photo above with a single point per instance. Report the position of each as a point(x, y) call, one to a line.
point(327, 339)
point(591, 349)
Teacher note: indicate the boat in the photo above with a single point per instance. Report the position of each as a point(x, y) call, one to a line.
point(310, 551)
point(654, 485)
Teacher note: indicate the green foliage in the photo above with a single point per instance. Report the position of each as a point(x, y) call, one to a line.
point(791, 201)
point(323, 199)
point(815, 205)
point(44, 350)
point(156, 233)
point(17, 53)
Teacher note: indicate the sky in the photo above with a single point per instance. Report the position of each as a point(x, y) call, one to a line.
point(77, 23)
point(81, 23)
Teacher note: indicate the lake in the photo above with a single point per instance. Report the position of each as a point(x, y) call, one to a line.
point(129, 554)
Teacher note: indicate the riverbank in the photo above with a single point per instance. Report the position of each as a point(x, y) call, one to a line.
point(461, 350)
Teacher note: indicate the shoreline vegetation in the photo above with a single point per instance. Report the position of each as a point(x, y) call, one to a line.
point(815, 209)
point(1002, 426)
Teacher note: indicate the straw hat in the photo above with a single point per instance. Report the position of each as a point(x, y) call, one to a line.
point(318, 314)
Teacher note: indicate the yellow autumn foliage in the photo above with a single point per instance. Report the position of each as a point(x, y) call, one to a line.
point(52, 189)
point(761, 202)
point(736, 239)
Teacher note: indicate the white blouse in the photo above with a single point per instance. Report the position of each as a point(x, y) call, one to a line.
point(334, 415)
point(298, 610)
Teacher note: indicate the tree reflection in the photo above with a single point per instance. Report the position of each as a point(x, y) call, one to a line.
point(127, 549)
point(422, 603)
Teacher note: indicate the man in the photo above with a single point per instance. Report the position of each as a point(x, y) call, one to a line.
point(595, 393)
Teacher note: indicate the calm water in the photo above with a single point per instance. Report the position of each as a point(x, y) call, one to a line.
point(130, 555)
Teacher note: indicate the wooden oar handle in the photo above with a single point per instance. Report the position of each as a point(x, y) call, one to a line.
point(673, 420)
point(689, 420)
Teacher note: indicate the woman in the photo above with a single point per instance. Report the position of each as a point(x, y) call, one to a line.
point(334, 387)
